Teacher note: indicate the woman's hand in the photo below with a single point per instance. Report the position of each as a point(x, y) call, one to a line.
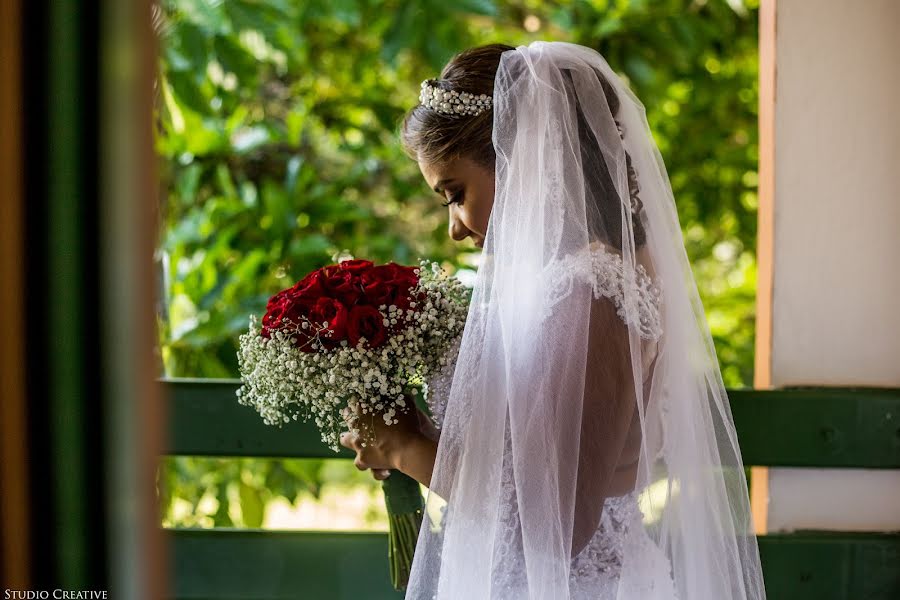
point(385, 444)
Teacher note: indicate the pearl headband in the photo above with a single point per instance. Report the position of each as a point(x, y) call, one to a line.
point(452, 102)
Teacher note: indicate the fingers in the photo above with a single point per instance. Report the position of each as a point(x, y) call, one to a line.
point(347, 440)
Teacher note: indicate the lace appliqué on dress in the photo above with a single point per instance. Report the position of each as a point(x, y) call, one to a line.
point(595, 572)
point(635, 295)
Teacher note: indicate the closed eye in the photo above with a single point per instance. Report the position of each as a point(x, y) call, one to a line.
point(456, 197)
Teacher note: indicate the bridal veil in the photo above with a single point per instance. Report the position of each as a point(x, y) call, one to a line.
point(586, 369)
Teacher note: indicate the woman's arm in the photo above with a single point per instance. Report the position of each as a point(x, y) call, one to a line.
point(416, 459)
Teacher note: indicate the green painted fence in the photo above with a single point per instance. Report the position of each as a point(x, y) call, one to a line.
point(847, 428)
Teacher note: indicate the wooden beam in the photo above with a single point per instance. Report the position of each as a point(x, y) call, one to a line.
point(765, 214)
point(831, 566)
point(765, 243)
point(129, 225)
point(14, 503)
point(818, 427)
point(262, 565)
point(206, 419)
point(815, 427)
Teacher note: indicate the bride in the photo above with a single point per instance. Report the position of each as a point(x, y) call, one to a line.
point(583, 445)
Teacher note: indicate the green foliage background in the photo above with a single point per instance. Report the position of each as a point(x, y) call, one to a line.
point(277, 133)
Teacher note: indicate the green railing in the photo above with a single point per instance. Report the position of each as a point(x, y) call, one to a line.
point(799, 427)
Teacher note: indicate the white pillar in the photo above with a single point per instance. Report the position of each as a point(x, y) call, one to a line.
point(835, 236)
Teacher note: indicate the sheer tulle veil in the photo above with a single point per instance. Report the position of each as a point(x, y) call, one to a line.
point(585, 355)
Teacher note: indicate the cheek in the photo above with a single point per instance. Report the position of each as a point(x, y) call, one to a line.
point(484, 211)
point(474, 218)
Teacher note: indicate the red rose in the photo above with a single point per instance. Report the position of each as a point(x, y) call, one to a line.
point(368, 322)
point(396, 277)
point(342, 285)
point(297, 309)
point(357, 267)
point(275, 307)
point(335, 314)
point(286, 311)
point(279, 299)
point(293, 302)
point(378, 293)
point(311, 285)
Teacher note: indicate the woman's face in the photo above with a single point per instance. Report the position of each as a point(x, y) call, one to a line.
point(469, 188)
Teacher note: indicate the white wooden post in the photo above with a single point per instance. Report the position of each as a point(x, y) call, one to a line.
point(829, 306)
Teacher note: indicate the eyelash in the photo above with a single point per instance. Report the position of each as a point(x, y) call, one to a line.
point(453, 199)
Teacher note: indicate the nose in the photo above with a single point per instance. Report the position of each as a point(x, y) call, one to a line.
point(458, 232)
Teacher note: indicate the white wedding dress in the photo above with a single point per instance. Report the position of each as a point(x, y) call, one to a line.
point(594, 572)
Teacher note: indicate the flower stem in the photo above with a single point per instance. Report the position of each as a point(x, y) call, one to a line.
point(405, 509)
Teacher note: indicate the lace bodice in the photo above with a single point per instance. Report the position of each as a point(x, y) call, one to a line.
point(633, 291)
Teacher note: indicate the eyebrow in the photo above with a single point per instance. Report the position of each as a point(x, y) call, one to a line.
point(437, 186)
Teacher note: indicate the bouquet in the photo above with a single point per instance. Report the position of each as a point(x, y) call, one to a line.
point(353, 338)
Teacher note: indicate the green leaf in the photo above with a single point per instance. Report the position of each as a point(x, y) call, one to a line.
point(639, 69)
point(608, 27)
point(234, 58)
point(401, 32)
point(188, 92)
point(255, 16)
point(223, 178)
point(187, 183)
point(194, 44)
point(207, 15)
point(252, 509)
